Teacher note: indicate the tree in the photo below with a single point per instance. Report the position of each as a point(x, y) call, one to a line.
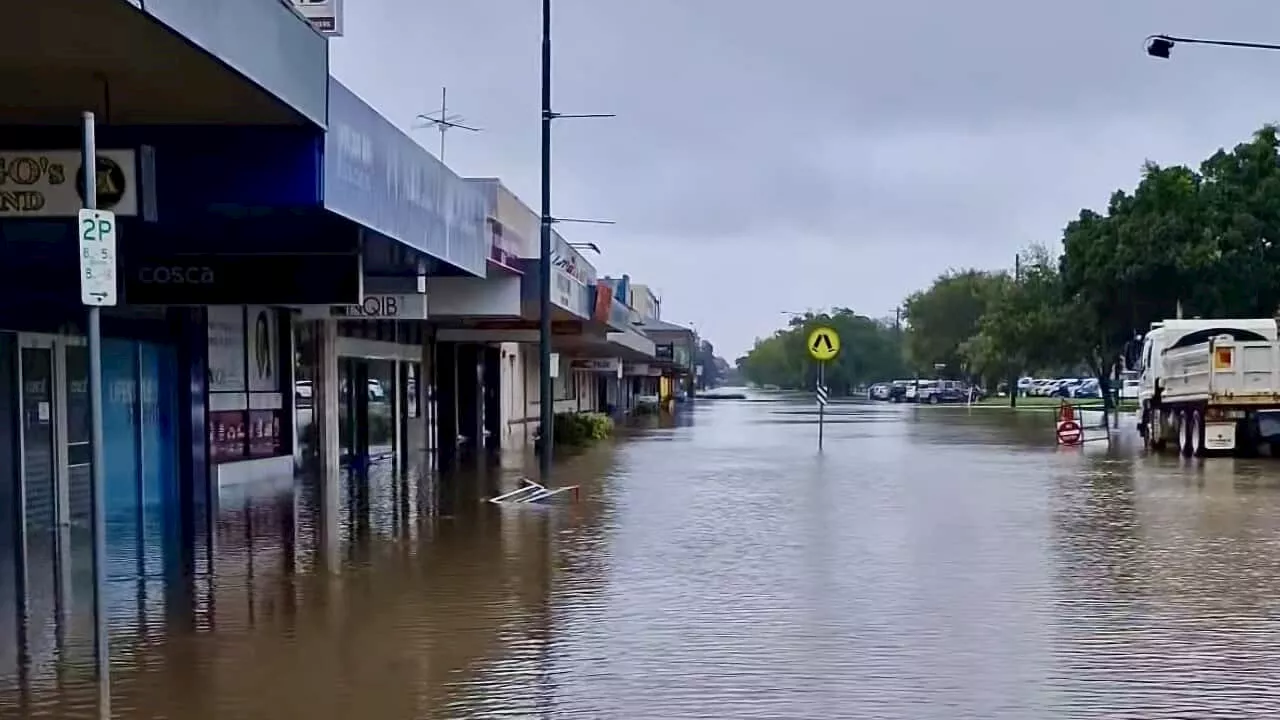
point(1028, 326)
point(945, 316)
point(712, 372)
point(871, 350)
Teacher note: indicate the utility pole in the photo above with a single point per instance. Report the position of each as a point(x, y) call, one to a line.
point(1013, 379)
point(547, 415)
point(546, 398)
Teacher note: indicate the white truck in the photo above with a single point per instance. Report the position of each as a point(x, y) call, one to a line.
point(1210, 386)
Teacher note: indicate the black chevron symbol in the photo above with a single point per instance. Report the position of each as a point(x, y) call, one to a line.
point(823, 339)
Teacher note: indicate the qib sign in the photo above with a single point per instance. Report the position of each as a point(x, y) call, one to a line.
point(50, 183)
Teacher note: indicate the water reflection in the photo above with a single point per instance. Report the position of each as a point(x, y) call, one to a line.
point(932, 563)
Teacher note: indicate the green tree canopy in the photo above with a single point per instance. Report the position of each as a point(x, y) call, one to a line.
point(947, 314)
point(870, 350)
point(1206, 241)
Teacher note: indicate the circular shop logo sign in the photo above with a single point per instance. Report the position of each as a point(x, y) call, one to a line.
point(111, 183)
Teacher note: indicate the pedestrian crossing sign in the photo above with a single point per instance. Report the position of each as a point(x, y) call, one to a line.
point(824, 344)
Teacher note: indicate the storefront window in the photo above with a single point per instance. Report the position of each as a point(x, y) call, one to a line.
point(305, 366)
point(413, 402)
point(245, 399)
point(564, 384)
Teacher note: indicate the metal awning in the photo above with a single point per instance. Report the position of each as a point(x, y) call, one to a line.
point(62, 57)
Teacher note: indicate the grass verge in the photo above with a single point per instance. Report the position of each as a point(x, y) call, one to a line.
point(1052, 403)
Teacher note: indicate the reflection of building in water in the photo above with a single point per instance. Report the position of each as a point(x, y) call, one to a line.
point(407, 632)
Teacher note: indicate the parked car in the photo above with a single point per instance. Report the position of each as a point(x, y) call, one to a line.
point(919, 388)
point(944, 391)
point(1087, 389)
point(1041, 387)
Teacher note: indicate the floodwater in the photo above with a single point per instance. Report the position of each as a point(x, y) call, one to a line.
point(932, 563)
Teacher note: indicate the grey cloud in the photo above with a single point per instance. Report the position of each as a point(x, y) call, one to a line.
point(817, 152)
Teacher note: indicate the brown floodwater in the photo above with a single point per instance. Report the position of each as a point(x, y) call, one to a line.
point(932, 563)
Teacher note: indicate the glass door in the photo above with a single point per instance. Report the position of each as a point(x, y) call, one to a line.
point(353, 411)
point(74, 426)
point(44, 540)
point(381, 410)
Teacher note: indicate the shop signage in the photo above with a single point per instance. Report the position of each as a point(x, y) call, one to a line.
point(226, 349)
point(325, 15)
point(603, 304)
point(373, 307)
point(521, 226)
point(376, 175)
point(612, 366)
point(50, 183)
point(235, 279)
point(562, 290)
point(568, 264)
point(638, 369)
point(503, 250)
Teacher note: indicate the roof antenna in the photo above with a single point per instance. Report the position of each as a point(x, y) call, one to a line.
point(444, 122)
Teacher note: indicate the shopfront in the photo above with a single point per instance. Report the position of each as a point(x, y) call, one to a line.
point(46, 457)
point(250, 436)
point(382, 402)
point(381, 412)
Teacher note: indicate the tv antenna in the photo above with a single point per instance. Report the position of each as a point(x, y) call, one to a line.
point(443, 121)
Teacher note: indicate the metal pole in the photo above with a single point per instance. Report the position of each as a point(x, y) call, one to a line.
point(822, 406)
point(544, 258)
point(444, 117)
point(101, 640)
point(1013, 378)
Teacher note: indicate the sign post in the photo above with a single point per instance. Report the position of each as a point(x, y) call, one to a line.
point(1069, 431)
point(824, 346)
point(96, 230)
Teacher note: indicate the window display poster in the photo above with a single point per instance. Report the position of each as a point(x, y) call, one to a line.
point(226, 349)
point(264, 433)
point(227, 433)
point(264, 349)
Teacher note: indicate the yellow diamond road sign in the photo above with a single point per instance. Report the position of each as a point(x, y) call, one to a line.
point(824, 344)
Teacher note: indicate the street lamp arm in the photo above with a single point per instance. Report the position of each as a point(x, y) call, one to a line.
point(1159, 45)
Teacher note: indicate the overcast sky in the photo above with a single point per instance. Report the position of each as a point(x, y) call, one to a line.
point(782, 156)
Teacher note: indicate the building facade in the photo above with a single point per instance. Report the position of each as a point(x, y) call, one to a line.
point(304, 292)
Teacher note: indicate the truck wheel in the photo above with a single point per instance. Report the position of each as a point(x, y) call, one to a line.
point(1157, 426)
point(1184, 433)
point(1197, 433)
point(933, 399)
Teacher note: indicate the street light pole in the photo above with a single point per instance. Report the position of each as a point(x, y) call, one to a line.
point(547, 414)
point(546, 398)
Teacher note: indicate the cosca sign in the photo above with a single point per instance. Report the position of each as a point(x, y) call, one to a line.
point(176, 275)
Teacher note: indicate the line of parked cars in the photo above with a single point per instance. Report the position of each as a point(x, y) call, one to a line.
point(931, 392)
point(1074, 387)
